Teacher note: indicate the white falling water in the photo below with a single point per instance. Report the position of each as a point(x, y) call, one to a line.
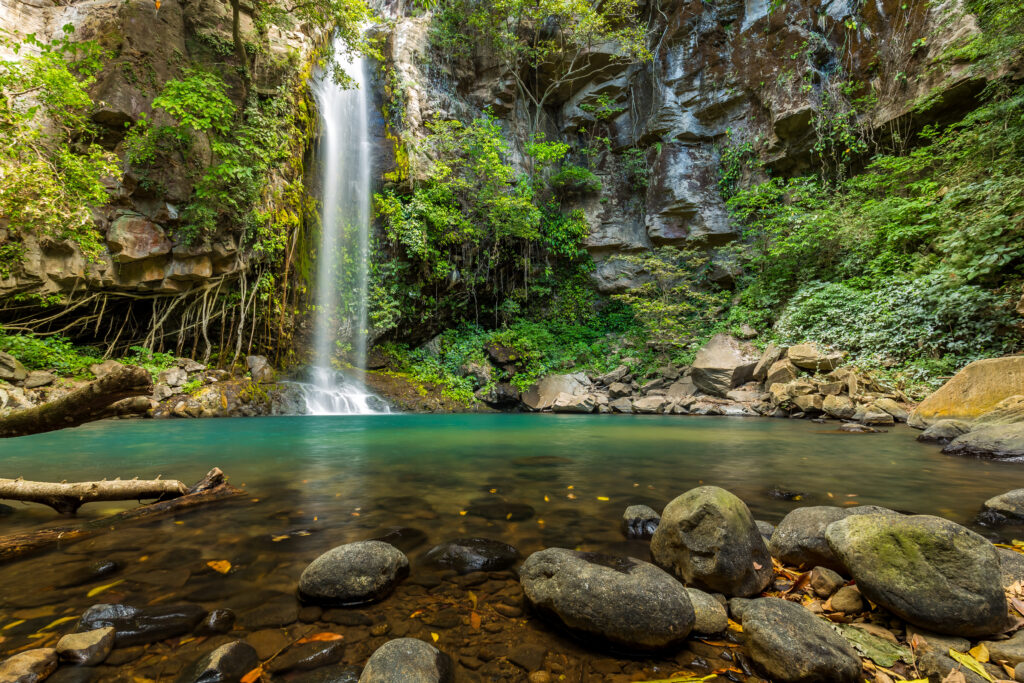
point(341, 319)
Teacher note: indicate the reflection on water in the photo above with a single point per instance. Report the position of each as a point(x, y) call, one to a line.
point(316, 482)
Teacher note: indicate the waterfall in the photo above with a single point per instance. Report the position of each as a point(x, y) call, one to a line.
point(341, 285)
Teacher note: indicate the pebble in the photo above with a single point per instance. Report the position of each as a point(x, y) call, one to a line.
point(307, 656)
point(824, 582)
point(847, 600)
point(29, 666)
point(87, 648)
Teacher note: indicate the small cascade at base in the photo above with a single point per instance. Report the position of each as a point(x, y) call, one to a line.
point(332, 393)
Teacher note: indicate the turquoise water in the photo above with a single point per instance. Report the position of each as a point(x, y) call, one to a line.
point(316, 482)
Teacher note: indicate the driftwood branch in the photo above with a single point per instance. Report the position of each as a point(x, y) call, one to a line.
point(211, 488)
point(67, 498)
point(80, 406)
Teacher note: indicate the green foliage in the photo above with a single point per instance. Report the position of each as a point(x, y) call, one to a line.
point(199, 102)
point(52, 174)
point(575, 180)
point(54, 352)
point(635, 172)
point(735, 159)
point(154, 361)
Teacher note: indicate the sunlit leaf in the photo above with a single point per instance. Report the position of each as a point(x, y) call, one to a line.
point(970, 662)
point(323, 637)
point(219, 566)
point(99, 589)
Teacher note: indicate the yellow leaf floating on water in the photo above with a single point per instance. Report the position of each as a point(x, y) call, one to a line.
point(463, 513)
point(474, 620)
point(14, 623)
point(436, 637)
point(253, 675)
point(970, 662)
point(979, 652)
point(56, 622)
point(603, 498)
point(684, 679)
point(323, 637)
point(219, 566)
point(473, 598)
point(99, 589)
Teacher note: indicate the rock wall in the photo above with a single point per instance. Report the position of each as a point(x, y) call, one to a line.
point(723, 73)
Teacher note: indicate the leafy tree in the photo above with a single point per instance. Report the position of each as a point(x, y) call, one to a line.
point(51, 169)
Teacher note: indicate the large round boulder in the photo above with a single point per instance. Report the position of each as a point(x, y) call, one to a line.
point(466, 555)
point(799, 539)
point(621, 600)
point(353, 574)
point(707, 537)
point(722, 364)
point(407, 660)
point(926, 570)
point(791, 645)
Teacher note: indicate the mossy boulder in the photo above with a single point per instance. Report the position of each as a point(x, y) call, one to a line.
point(799, 539)
point(708, 538)
point(929, 571)
point(972, 392)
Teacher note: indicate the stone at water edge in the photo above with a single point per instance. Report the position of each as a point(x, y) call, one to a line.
point(926, 570)
point(353, 574)
point(29, 666)
point(993, 441)
point(87, 648)
point(142, 625)
point(799, 539)
point(791, 645)
point(839, 407)
point(407, 660)
point(1004, 509)
point(944, 431)
point(227, 664)
point(466, 555)
point(707, 537)
point(621, 600)
point(972, 392)
point(709, 614)
point(722, 364)
point(640, 522)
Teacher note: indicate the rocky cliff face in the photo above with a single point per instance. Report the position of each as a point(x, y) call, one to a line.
point(776, 82)
point(146, 48)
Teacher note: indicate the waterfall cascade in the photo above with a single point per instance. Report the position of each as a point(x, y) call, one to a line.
point(341, 285)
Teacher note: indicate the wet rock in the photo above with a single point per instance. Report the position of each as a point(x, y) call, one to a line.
point(500, 510)
point(1006, 508)
point(766, 529)
point(529, 656)
point(29, 666)
point(337, 673)
point(937, 641)
point(407, 660)
point(799, 539)
point(935, 665)
point(88, 574)
point(780, 493)
point(824, 582)
point(73, 674)
point(142, 625)
point(404, 538)
point(709, 614)
point(853, 428)
point(87, 648)
point(707, 538)
point(722, 364)
point(307, 656)
point(847, 600)
point(639, 521)
point(467, 555)
point(217, 621)
point(1011, 651)
point(268, 642)
point(927, 570)
point(997, 441)
point(347, 617)
point(227, 664)
point(944, 431)
point(1011, 566)
point(353, 574)
point(623, 601)
point(274, 613)
point(791, 645)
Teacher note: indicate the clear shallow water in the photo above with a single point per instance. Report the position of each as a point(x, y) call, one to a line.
point(316, 482)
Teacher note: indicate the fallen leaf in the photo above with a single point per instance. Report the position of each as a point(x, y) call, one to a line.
point(955, 676)
point(474, 620)
point(219, 566)
point(979, 652)
point(323, 637)
point(463, 513)
point(416, 614)
point(99, 589)
point(473, 598)
point(14, 623)
point(434, 636)
point(253, 675)
point(758, 566)
point(604, 498)
point(278, 539)
point(969, 662)
point(62, 620)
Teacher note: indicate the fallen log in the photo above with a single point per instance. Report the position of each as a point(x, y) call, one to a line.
point(86, 404)
point(67, 498)
point(212, 487)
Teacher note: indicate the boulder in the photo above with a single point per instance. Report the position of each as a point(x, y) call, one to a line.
point(926, 570)
point(1006, 412)
point(567, 403)
point(799, 539)
point(973, 391)
point(29, 666)
point(640, 521)
point(769, 357)
point(680, 389)
point(133, 238)
point(621, 405)
point(226, 664)
point(707, 537)
point(781, 372)
point(839, 407)
point(824, 582)
point(811, 404)
point(650, 404)
point(872, 415)
point(87, 648)
point(616, 375)
point(39, 378)
point(791, 645)
point(996, 441)
point(619, 390)
point(11, 369)
point(1010, 651)
point(887, 405)
point(847, 600)
point(142, 625)
point(466, 555)
point(353, 574)
point(190, 366)
point(173, 377)
point(810, 357)
point(721, 365)
point(543, 394)
point(259, 368)
point(624, 601)
point(709, 614)
point(1006, 508)
point(407, 660)
point(944, 431)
